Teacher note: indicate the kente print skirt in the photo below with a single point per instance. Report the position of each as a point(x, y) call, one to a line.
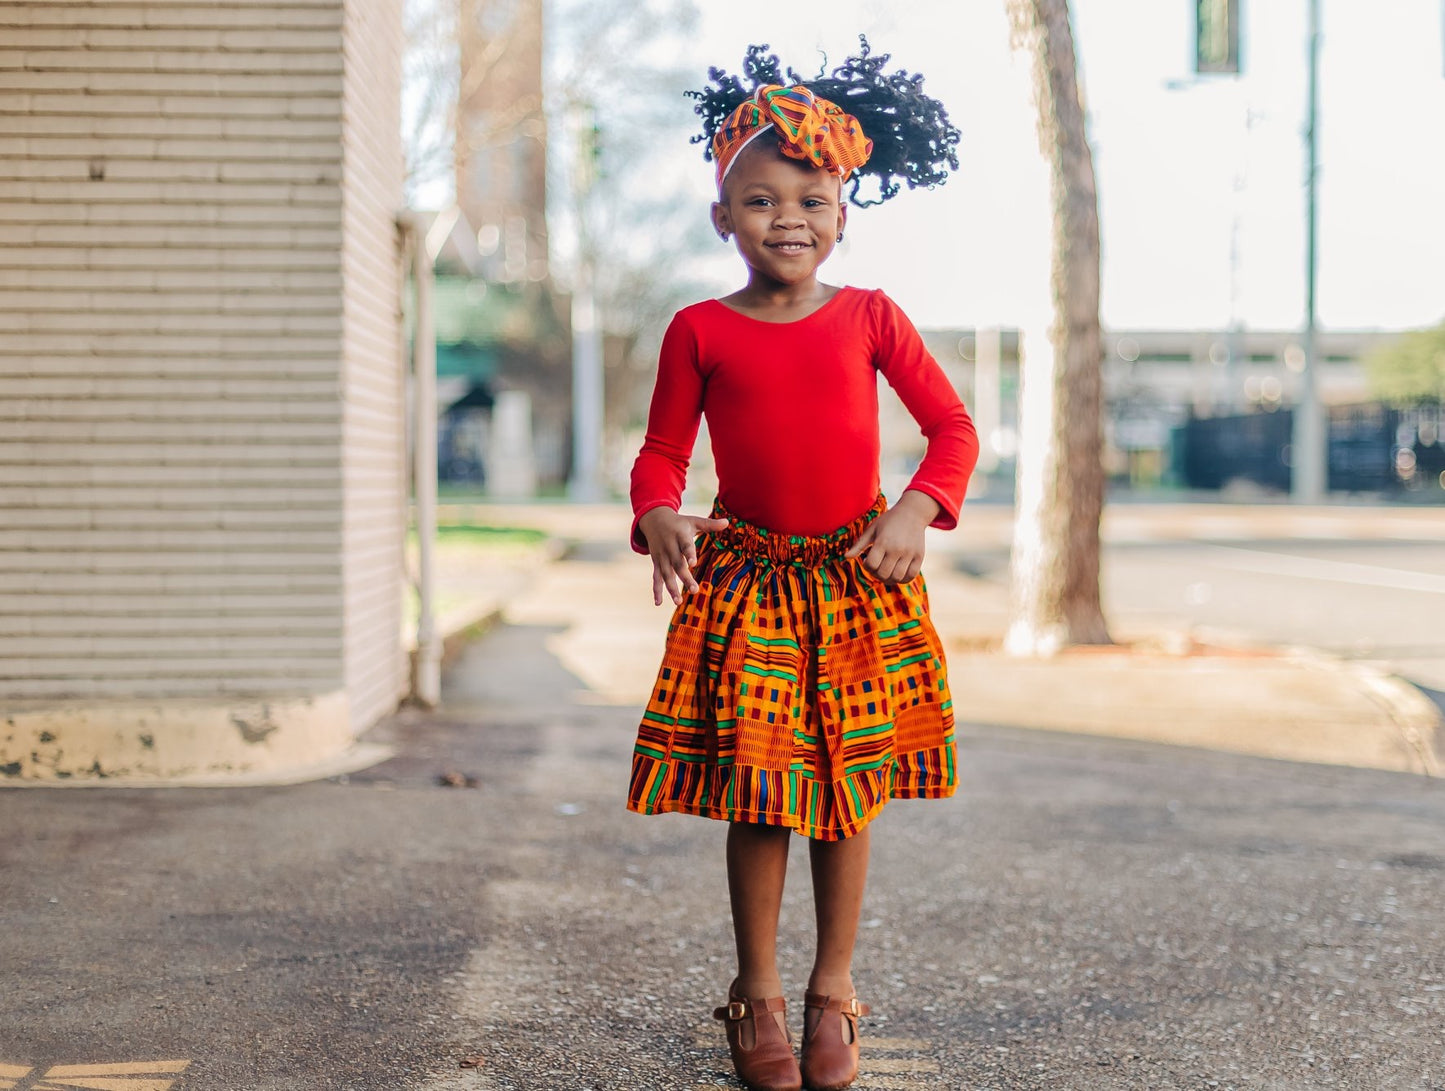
point(796, 689)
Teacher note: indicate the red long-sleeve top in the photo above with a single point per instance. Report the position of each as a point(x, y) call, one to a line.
point(792, 409)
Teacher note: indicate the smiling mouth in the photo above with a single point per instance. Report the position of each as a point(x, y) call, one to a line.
point(790, 247)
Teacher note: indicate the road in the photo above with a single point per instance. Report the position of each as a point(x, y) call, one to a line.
point(1379, 601)
point(1086, 914)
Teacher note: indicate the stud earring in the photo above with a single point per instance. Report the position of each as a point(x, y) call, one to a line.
point(840, 236)
point(723, 235)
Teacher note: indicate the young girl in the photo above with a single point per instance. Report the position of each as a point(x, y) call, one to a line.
point(803, 684)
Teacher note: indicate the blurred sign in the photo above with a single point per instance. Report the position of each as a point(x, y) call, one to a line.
point(1217, 36)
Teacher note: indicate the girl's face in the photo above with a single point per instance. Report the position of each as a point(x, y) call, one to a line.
point(786, 215)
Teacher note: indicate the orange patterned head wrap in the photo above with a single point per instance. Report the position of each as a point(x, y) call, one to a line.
point(809, 129)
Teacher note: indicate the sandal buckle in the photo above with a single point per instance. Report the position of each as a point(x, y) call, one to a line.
point(737, 1009)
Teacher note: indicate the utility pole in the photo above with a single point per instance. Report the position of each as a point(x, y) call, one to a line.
point(1309, 469)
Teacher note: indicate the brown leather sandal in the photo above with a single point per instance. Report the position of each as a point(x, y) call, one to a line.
point(762, 1051)
point(830, 1049)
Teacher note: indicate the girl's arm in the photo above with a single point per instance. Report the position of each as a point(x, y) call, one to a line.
point(892, 545)
point(660, 472)
point(929, 397)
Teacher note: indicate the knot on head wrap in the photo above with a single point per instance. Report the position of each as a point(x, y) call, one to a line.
point(809, 128)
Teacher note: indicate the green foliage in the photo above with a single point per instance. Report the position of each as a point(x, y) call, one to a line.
point(1410, 370)
point(471, 534)
point(484, 535)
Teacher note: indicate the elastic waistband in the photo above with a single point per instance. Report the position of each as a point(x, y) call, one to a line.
point(807, 550)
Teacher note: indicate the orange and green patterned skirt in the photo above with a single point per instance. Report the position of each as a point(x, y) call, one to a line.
point(796, 690)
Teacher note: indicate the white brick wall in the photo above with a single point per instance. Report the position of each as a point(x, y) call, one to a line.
point(374, 444)
point(200, 411)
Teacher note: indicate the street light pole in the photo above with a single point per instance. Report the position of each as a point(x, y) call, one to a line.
point(588, 412)
point(587, 405)
point(1309, 477)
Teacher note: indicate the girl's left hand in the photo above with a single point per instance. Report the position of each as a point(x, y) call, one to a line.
point(894, 541)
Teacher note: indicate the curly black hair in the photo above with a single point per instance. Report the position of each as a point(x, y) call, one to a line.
point(913, 140)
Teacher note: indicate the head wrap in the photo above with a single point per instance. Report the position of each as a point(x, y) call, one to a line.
point(809, 129)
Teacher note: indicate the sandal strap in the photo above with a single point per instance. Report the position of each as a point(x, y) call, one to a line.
point(852, 1006)
point(739, 1008)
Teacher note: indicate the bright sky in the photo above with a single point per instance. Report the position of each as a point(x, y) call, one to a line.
point(1170, 151)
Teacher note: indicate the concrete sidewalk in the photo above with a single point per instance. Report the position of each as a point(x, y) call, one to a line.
point(474, 583)
point(1196, 689)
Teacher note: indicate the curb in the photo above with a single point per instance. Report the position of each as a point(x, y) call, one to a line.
point(1415, 716)
point(1416, 720)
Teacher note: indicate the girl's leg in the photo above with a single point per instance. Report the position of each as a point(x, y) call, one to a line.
point(830, 1036)
point(757, 865)
point(840, 870)
point(758, 1036)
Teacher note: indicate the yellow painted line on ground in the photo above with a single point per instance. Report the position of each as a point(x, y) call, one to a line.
point(899, 1044)
point(111, 1083)
point(871, 1065)
point(14, 1070)
point(127, 1068)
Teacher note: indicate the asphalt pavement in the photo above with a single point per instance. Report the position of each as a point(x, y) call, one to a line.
point(1087, 913)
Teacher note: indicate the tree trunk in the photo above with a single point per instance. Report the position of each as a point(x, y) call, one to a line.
point(1060, 466)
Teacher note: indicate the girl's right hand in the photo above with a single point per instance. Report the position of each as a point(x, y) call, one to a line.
point(672, 542)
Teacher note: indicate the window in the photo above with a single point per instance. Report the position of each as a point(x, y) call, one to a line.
point(1217, 41)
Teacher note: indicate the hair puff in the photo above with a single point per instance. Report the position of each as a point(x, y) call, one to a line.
point(913, 140)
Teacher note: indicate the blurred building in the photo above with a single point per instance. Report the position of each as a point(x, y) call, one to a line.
point(201, 384)
point(492, 340)
point(501, 138)
point(1155, 381)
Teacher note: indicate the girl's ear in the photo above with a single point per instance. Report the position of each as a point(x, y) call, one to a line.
point(722, 223)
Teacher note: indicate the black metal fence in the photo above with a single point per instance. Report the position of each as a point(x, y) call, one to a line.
point(1372, 449)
